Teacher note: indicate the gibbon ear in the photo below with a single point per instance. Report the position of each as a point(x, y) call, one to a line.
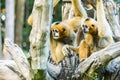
point(57, 23)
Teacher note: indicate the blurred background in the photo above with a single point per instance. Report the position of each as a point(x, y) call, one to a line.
point(13, 22)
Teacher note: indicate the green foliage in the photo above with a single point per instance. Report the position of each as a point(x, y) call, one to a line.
point(26, 27)
point(40, 75)
point(57, 12)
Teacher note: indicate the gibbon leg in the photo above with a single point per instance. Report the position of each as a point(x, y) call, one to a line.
point(84, 50)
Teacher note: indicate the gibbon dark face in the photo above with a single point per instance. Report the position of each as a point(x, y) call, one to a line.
point(89, 26)
point(60, 31)
point(85, 28)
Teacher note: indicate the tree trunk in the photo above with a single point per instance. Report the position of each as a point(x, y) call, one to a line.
point(21, 66)
point(40, 35)
point(111, 16)
point(0, 35)
point(0, 42)
point(9, 24)
point(92, 68)
point(19, 21)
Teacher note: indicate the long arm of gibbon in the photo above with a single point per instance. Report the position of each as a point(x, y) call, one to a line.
point(100, 18)
point(100, 11)
point(78, 8)
point(103, 27)
point(30, 18)
point(55, 2)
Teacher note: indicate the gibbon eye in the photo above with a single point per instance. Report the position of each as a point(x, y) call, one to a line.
point(93, 25)
point(63, 29)
point(57, 23)
point(56, 31)
point(84, 26)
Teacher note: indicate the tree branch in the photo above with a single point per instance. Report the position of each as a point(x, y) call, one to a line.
point(97, 60)
point(19, 58)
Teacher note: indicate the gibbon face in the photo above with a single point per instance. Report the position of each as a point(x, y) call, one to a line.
point(59, 31)
point(89, 26)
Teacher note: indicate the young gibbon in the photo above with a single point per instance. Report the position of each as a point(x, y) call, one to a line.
point(90, 42)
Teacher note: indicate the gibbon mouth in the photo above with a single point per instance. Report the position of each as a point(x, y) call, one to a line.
point(56, 35)
point(85, 30)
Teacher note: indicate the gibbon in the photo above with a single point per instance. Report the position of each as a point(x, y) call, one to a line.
point(64, 33)
point(104, 30)
point(90, 42)
point(30, 18)
point(98, 37)
point(60, 35)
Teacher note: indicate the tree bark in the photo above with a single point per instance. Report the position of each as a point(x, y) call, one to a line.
point(90, 68)
point(40, 35)
point(19, 58)
point(19, 21)
point(0, 41)
point(9, 24)
point(111, 16)
point(0, 35)
point(22, 66)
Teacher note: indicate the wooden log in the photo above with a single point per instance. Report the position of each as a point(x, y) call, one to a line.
point(97, 60)
point(10, 71)
point(19, 58)
point(90, 68)
point(39, 36)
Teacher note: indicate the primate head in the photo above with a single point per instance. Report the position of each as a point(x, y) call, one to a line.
point(89, 25)
point(59, 31)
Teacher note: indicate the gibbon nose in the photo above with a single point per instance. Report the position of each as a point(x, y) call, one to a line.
point(85, 28)
point(56, 34)
point(55, 31)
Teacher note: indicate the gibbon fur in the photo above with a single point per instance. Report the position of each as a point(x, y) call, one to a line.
point(90, 42)
point(60, 35)
point(104, 30)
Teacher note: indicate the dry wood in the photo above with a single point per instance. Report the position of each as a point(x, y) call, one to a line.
point(19, 58)
point(39, 36)
point(10, 71)
point(89, 68)
point(98, 59)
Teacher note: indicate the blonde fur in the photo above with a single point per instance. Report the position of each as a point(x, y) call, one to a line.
point(71, 26)
point(104, 30)
point(61, 34)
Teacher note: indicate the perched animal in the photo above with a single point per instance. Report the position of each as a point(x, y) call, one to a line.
point(61, 34)
point(90, 42)
point(104, 30)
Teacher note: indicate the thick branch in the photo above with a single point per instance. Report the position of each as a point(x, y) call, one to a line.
point(39, 36)
point(98, 59)
point(10, 71)
point(19, 58)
